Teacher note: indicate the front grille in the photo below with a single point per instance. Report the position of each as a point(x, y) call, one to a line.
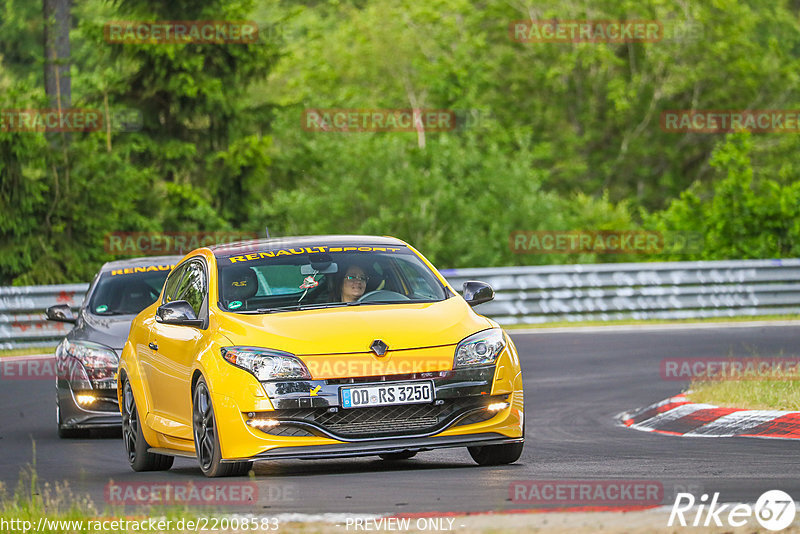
point(384, 421)
point(477, 417)
point(381, 419)
point(289, 431)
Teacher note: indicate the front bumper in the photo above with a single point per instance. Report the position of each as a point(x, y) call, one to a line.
point(103, 413)
point(309, 421)
point(385, 446)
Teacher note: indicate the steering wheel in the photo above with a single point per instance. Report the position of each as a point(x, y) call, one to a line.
point(382, 294)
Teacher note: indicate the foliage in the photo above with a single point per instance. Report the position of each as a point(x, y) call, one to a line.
point(738, 216)
point(551, 136)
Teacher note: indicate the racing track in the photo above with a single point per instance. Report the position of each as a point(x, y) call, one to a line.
point(575, 383)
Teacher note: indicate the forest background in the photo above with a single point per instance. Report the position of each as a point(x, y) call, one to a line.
point(550, 136)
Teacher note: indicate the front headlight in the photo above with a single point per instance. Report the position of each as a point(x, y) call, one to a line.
point(480, 349)
point(266, 364)
point(87, 365)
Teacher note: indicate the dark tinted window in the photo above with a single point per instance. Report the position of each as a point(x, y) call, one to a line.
point(125, 293)
point(388, 275)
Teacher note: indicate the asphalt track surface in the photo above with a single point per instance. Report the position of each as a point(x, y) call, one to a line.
point(575, 383)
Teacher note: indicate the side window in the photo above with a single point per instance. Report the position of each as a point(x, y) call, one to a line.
point(192, 287)
point(171, 285)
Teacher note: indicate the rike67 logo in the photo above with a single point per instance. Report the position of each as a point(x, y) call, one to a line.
point(774, 510)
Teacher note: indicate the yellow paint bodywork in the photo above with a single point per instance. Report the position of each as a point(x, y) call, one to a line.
point(333, 343)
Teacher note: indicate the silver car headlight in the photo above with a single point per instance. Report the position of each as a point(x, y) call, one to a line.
point(266, 364)
point(482, 348)
point(87, 365)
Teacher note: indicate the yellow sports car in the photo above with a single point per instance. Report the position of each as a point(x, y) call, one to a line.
point(316, 347)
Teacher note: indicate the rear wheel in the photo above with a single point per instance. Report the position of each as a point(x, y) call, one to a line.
point(135, 445)
point(394, 456)
point(496, 454)
point(206, 440)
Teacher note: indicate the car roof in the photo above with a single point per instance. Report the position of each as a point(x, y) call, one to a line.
point(140, 262)
point(233, 249)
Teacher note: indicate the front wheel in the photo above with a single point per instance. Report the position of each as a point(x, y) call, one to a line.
point(206, 440)
point(496, 454)
point(135, 444)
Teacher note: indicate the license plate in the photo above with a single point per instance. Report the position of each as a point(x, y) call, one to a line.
point(387, 394)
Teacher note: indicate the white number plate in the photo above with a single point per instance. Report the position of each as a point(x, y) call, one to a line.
point(387, 394)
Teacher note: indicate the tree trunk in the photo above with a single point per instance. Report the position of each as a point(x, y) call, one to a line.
point(56, 50)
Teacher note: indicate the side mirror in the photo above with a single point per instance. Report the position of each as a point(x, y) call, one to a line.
point(477, 292)
point(61, 313)
point(177, 312)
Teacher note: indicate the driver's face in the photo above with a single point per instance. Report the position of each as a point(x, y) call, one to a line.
point(355, 283)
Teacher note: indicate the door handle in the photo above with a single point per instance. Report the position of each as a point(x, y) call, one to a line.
point(154, 346)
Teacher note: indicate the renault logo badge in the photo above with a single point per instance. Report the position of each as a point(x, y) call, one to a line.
point(379, 347)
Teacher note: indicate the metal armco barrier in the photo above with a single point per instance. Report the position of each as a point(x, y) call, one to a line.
point(529, 295)
point(22, 322)
point(611, 291)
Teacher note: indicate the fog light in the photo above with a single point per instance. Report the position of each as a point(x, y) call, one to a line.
point(85, 400)
point(263, 423)
point(497, 406)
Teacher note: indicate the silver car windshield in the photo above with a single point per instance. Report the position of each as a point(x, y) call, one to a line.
point(126, 293)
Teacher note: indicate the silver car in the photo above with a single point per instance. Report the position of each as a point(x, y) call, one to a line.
point(87, 358)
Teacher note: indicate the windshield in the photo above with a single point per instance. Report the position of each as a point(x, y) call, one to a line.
point(118, 293)
point(255, 283)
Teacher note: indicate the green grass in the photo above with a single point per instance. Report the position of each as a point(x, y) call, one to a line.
point(761, 394)
point(33, 500)
point(26, 352)
point(624, 322)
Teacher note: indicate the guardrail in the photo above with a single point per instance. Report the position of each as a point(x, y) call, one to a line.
point(614, 291)
point(529, 295)
point(22, 321)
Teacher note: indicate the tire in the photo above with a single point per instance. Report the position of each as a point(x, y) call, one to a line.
point(135, 445)
point(395, 456)
point(68, 433)
point(496, 454)
point(206, 439)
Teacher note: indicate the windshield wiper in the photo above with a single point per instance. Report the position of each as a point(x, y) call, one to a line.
point(409, 301)
point(300, 307)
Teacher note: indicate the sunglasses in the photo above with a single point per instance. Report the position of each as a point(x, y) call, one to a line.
point(351, 278)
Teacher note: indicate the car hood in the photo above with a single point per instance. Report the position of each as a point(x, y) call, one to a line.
point(353, 329)
point(109, 331)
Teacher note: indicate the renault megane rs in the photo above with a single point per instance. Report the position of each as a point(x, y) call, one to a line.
point(316, 347)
